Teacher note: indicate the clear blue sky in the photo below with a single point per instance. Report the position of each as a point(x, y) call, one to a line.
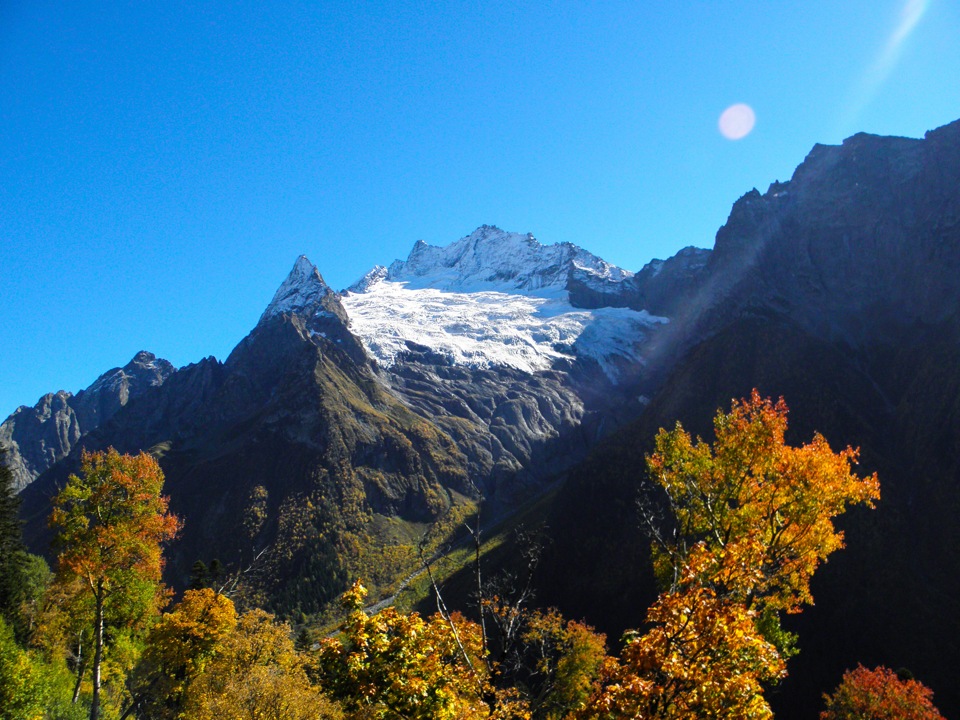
point(163, 164)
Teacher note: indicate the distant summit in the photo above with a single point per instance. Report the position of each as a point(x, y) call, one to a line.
point(500, 299)
point(491, 259)
point(38, 437)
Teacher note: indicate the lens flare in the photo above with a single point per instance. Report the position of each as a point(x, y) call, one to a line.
point(883, 66)
point(737, 121)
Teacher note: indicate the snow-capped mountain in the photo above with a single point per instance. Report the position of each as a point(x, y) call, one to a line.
point(303, 289)
point(496, 298)
point(491, 259)
point(838, 290)
point(515, 329)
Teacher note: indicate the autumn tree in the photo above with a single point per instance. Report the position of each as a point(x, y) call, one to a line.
point(254, 673)
point(750, 519)
point(402, 665)
point(177, 649)
point(555, 663)
point(879, 694)
point(111, 521)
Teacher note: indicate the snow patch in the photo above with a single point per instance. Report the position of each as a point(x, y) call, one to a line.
point(378, 273)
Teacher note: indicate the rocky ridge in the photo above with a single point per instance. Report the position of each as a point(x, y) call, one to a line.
point(38, 437)
point(840, 291)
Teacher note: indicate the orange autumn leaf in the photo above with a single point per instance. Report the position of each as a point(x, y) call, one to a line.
point(879, 694)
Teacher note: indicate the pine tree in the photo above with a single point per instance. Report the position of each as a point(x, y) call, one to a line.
point(13, 553)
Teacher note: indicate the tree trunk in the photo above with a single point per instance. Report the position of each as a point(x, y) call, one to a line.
point(81, 666)
point(98, 654)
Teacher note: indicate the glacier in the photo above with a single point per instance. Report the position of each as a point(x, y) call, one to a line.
point(495, 298)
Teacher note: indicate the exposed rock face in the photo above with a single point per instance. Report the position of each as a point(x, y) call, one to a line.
point(516, 429)
point(40, 436)
point(662, 287)
point(115, 388)
point(863, 241)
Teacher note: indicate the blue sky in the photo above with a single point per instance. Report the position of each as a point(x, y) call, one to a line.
point(162, 165)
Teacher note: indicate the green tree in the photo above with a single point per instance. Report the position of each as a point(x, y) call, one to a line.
point(111, 521)
point(23, 694)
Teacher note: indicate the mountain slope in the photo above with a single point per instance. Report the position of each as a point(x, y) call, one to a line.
point(292, 446)
point(347, 425)
point(839, 291)
point(486, 338)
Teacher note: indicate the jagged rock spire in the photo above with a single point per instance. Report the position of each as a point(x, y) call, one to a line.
point(303, 292)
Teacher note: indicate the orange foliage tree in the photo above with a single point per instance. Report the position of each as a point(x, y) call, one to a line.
point(879, 695)
point(751, 520)
point(110, 522)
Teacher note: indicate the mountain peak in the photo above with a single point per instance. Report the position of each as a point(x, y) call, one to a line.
point(303, 289)
point(147, 361)
point(493, 259)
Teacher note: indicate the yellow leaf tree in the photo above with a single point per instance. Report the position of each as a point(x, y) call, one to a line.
point(256, 673)
point(751, 520)
point(402, 665)
point(177, 649)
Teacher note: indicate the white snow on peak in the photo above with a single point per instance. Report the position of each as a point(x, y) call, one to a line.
point(378, 273)
point(492, 259)
point(303, 288)
point(491, 328)
point(495, 298)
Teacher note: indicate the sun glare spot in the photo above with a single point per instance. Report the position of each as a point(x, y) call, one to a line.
point(737, 121)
